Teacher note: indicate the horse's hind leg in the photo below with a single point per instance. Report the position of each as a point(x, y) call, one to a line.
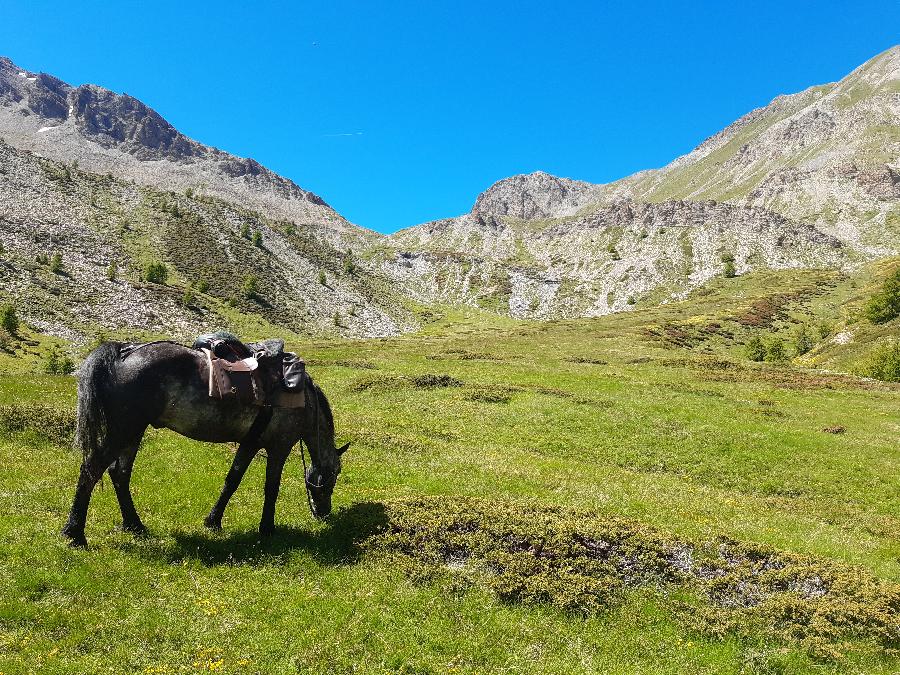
point(274, 466)
point(242, 459)
point(120, 473)
point(92, 468)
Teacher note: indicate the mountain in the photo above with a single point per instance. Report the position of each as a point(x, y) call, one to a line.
point(810, 180)
point(108, 132)
point(102, 179)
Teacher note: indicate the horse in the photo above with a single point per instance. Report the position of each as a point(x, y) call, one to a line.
point(165, 385)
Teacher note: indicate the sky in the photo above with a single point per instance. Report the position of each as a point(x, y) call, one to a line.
point(397, 113)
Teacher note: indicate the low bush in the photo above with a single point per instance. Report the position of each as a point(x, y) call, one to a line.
point(156, 273)
point(584, 563)
point(9, 320)
point(755, 349)
point(883, 363)
point(54, 424)
point(885, 305)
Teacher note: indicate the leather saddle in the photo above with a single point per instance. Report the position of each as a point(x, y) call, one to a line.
point(258, 373)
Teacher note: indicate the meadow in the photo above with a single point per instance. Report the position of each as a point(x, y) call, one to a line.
point(482, 448)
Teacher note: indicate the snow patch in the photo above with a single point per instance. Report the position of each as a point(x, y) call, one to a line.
point(43, 129)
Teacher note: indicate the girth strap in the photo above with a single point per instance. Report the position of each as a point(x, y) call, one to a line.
point(260, 423)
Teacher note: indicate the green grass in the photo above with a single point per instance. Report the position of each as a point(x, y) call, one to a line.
point(649, 416)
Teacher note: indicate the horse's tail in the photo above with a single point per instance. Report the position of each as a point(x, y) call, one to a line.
point(97, 374)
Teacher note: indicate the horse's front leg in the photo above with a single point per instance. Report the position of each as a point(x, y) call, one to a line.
point(275, 460)
point(242, 459)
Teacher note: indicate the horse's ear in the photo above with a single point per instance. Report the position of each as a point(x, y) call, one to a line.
point(341, 450)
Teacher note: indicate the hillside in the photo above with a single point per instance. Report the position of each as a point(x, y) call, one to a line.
point(95, 221)
point(810, 180)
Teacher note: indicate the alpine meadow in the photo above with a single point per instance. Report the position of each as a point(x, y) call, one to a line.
point(646, 426)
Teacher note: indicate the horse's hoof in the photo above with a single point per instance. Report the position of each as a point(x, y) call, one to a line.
point(75, 540)
point(137, 529)
point(212, 523)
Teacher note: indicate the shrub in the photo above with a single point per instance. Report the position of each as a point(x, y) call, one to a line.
point(245, 231)
point(112, 272)
point(756, 349)
point(9, 321)
point(775, 350)
point(257, 239)
point(322, 277)
point(156, 273)
point(825, 330)
point(883, 363)
point(188, 298)
point(803, 342)
point(57, 425)
point(202, 286)
point(349, 266)
point(729, 271)
point(885, 305)
point(290, 229)
point(189, 193)
point(631, 300)
point(56, 263)
point(250, 287)
point(2, 250)
point(58, 364)
point(42, 259)
point(727, 257)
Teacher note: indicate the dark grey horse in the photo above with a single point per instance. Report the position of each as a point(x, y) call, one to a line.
point(165, 385)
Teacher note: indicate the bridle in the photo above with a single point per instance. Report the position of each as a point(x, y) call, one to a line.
point(306, 483)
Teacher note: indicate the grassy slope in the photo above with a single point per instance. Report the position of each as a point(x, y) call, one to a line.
point(662, 433)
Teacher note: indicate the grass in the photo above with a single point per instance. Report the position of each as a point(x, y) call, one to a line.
point(513, 424)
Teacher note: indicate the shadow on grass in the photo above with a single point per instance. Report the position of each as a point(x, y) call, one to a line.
point(338, 542)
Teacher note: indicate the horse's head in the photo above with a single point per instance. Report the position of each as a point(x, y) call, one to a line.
point(325, 458)
point(320, 480)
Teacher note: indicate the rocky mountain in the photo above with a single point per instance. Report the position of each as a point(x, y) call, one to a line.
point(114, 133)
point(810, 180)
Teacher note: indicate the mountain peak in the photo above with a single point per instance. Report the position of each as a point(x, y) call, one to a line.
point(533, 196)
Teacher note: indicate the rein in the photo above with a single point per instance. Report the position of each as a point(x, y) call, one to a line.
point(306, 484)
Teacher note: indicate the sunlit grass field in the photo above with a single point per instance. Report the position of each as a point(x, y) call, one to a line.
point(609, 415)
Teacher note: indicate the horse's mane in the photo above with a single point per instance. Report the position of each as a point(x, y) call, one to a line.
point(323, 404)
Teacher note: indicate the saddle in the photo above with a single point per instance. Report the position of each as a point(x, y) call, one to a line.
point(258, 373)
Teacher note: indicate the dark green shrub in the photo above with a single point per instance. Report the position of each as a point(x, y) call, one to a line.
point(349, 266)
point(112, 272)
point(290, 229)
point(257, 239)
point(202, 286)
point(250, 287)
point(56, 263)
point(58, 363)
point(245, 230)
point(803, 342)
point(885, 305)
point(756, 349)
point(9, 321)
point(883, 363)
point(775, 350)
point(189, 297)
point(729, 271)
point(322, 277)
point(156, 273)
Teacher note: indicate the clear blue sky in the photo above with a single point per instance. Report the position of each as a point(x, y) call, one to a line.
point(401, 112)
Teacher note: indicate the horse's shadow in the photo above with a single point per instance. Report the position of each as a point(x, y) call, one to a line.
point(339, 542)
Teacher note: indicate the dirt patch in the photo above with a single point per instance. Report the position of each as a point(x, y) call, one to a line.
point(432, 381)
